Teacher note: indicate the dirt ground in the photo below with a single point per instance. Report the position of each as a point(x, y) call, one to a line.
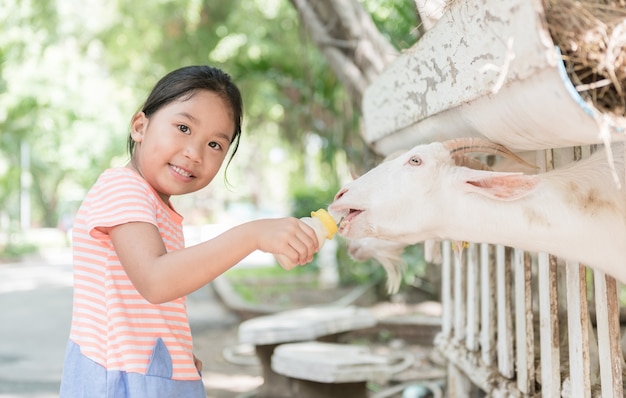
point(231, 370)
point(225, 378)
point(214, 329)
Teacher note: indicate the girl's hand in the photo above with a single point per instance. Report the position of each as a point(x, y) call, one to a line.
point(287, 236)
point(198, 363)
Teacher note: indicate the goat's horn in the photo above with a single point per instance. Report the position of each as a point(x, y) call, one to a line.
point(461, 146)
point(471, 163)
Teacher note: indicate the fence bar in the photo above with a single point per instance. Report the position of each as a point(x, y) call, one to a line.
point(446, 289)
point(549, 326)
point(459, 293)
point(473, 303)
point(578, 321)
point(506, 364)
point(609, 349)
point(487, 304)
point(525, 352)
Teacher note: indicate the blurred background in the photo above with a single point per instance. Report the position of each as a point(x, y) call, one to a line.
point(72, 73)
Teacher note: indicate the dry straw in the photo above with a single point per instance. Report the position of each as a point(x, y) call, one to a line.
point(591, 35)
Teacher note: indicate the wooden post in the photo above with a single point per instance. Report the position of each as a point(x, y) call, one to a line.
point(459, 296)
point(525, 350)
point(446, 290)
point(578, 321)
point(473, 298)
point(488, 305)
point(506, 360)
point(609, 350)
point(549, 326)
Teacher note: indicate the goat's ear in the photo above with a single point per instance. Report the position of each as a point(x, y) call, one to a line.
point(499, 186)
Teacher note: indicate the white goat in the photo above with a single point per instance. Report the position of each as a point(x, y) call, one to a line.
point(575, 212)
point(388, 253)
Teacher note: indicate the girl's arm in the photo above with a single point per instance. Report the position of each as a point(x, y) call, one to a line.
point(160, 276)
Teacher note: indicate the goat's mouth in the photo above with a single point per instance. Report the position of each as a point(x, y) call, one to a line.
point(347, 220)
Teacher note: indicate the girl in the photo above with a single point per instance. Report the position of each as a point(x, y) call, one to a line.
point(130, 335)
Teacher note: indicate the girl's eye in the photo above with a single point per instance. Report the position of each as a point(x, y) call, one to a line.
point(215, 145)
point(184, 129)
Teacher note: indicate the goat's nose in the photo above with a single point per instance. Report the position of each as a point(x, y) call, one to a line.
point(340, 193)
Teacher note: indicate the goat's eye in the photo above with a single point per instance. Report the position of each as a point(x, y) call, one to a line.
point(415, 161)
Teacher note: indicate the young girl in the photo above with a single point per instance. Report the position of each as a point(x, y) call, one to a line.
point(130, 334)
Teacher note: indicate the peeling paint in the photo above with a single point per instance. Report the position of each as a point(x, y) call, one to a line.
point(523, 105)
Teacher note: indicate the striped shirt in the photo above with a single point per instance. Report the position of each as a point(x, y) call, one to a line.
point(111, 322)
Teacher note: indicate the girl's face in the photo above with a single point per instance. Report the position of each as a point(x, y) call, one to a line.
point(181, 147)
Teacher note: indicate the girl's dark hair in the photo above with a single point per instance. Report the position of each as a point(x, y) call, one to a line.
point(185, 82)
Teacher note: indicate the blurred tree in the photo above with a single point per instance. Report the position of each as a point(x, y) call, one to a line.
point(44, 77)
point(359, 39)
point(70, 83)
point(352, 44)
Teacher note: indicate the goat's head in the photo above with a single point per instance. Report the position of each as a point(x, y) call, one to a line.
point(402, 199)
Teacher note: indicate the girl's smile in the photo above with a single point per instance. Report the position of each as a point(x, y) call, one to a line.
point(181, 172)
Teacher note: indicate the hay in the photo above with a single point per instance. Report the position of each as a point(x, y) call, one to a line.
point(591, 35)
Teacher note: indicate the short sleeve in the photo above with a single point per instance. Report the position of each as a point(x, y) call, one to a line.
point(117, 198)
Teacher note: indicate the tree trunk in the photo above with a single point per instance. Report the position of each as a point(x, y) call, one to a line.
point(351, 43)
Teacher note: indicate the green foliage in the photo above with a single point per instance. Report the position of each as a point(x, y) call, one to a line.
point(398, 20)
point(15, 251)
point(304, 200)
point(69, 84)
point(370, 271)
point(265, 272)
point(275, 281)
point(358, 272)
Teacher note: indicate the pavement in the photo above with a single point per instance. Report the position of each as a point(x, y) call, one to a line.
point(35, 316)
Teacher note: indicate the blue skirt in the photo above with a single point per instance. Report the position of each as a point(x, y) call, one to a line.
point(84, 378)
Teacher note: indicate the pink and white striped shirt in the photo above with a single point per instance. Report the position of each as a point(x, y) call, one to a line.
point(111, 322)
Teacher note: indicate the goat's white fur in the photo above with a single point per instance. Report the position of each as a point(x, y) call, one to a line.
point(388, 253)
point(576, 212)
